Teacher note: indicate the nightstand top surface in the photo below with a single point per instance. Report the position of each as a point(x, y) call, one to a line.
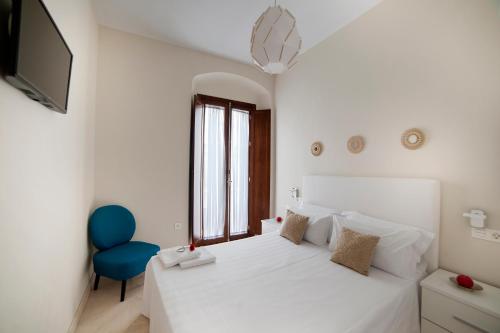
point(486, 300)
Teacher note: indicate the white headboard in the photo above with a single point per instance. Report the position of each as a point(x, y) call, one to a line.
point(409, 201)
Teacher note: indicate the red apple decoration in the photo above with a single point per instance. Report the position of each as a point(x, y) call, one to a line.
point(192, 247)
point(279, 219)
point(465, 281)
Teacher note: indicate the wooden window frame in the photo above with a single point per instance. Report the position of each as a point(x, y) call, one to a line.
point(228, 105)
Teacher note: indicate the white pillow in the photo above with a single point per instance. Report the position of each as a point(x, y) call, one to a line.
point(399, 249)
point(423, 242)
point(320, 210)
point(318, 230)
point(320, 222)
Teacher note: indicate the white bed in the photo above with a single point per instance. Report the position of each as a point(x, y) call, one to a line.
point(268, 284)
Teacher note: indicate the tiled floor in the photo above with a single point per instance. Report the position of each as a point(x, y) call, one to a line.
point(104, 313)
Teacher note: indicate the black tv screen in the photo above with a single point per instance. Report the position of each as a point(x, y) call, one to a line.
point(40, 60)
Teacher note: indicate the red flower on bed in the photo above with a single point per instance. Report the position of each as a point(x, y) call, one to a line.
point(192, 247)
point(279, 219)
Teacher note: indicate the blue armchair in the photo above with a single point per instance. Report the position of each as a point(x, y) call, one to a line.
point(111, 229)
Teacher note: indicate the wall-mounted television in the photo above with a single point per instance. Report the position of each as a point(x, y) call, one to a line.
point(39, 60)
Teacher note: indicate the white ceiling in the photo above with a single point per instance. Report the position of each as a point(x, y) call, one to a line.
point(224, 27)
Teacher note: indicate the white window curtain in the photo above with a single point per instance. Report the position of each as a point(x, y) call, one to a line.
point(197, 187)
point(214, 178)
point(240, 121)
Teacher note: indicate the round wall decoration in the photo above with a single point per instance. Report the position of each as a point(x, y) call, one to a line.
point(413, 138)
point(316, 148)
point(356, 144)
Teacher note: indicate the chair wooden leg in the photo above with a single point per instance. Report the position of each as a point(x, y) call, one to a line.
point(124, 288)
point(96, 281)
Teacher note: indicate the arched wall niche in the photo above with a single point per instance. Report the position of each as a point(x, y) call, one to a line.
point(232, 86)
point(240, 88)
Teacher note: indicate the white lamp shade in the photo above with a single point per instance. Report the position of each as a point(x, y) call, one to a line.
point(275, 40)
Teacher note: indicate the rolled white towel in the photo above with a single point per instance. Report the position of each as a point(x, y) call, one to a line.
point(205, 258)
point(171, 257)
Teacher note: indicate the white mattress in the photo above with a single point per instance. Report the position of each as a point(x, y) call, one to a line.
point(268, 284)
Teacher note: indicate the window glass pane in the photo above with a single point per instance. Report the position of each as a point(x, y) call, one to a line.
point(240, 121)
point(214, 178)
point(197, 189)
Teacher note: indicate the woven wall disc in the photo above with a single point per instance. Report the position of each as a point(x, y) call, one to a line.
point(356, 144)
point(412, 138)
point(316, 148)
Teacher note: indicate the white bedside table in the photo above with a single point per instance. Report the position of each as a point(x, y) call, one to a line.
point(447, 308)
point(270, 225)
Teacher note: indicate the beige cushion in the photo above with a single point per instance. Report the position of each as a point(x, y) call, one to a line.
point(355, 250)
point(294, 227)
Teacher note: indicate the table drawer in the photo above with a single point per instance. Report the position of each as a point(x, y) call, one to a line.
point(455, 316)
point(428, 327)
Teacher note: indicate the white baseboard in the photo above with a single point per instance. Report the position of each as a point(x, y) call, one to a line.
point(81, 306)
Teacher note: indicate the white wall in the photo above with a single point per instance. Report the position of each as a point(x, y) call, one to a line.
point(47, 189)
point(143, 127)
point(406, 63)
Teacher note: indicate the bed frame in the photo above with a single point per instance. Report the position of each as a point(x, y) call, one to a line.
point(409, 201)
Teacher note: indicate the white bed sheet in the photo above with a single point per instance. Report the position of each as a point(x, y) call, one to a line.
point(268, 284)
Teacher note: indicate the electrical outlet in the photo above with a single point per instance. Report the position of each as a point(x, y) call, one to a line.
point(177, 226)
point(491, 235)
